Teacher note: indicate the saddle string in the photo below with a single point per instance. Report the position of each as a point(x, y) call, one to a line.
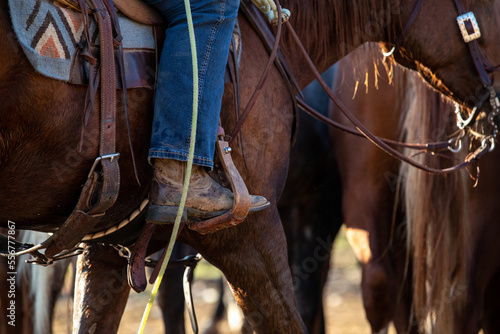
point(84, 52)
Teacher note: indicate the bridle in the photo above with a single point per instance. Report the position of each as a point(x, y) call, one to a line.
point(470, 32)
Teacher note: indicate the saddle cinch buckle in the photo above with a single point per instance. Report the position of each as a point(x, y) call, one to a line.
point(111, 157)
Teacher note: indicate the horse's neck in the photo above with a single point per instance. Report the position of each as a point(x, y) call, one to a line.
point(317, 34)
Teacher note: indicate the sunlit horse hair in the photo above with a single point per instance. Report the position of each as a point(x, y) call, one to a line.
point(436, 214)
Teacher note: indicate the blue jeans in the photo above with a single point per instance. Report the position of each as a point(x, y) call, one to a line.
point(214, 22)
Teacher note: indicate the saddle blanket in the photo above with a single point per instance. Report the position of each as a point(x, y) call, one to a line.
point(49, 34)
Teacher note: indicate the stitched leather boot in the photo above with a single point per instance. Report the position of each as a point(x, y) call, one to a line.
point(206, 198)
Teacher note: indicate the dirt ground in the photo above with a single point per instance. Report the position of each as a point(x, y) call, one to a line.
point(344, 309)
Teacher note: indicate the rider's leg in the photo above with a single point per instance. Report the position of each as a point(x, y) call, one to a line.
point(213, 23)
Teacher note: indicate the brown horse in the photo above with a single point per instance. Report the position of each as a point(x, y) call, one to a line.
point(41, 129)
point(371, 185)
point(365, 193)
point(370, 200)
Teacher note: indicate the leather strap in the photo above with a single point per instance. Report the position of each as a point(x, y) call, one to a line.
point(409, 23)
point(479, 60)
point(136, 272)
point(110, 168)
point(416, 146)
point(86, 214)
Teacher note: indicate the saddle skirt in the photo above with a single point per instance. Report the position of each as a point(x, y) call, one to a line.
point(49, 33)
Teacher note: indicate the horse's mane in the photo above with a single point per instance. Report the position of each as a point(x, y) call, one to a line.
point(360, 20)
point(346, 23)
point(436, 213)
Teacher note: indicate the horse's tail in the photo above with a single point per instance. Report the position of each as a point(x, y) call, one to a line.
point(436, 214)
point(44, 284)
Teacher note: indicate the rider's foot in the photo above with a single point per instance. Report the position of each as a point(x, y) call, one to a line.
point(206, 198)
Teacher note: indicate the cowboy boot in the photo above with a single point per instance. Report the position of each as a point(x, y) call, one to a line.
point(206, 198)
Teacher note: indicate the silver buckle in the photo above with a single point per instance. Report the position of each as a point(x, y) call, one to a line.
point(465, 34)
point(111, 157)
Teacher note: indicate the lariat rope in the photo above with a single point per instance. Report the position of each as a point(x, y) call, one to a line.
point(269, 8)
point(177, 223)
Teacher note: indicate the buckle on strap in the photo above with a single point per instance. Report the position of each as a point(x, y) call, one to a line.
point(471, 19)
point(111, 157)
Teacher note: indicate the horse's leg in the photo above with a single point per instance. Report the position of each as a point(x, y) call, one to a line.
point(101, 290)
point(367, 241)
point(483, 262)
point(469, 317)
point(33, 288)
point(252, 257)
point(311, 262)
point(41, 286)
point(369, 180)
point(310, 208)
point(311, 221)
point(171, 293)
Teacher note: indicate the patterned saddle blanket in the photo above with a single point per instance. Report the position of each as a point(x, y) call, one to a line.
point(49, 33)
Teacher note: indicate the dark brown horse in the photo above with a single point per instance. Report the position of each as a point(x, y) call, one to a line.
point(482, 293)
point(42, 168)
point(370, 202)
point(310, 208)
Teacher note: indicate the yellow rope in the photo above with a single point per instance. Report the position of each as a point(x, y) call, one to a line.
point(175, 229)
point(269, 8)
